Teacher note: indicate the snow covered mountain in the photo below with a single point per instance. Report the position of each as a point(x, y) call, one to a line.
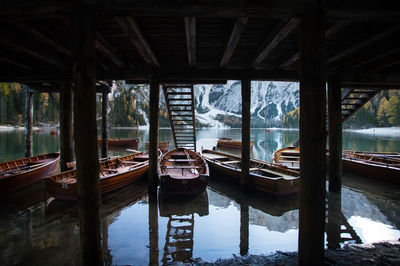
point(219, 105)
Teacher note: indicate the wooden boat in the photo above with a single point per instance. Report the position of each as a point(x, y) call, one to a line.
point(162, 145)
point(23, 172)
point(288, 156)
point(232, 143)
point(183, 172)
point(53, 132)
point(114, 173)
point(267, 177)
point(383, 167)
point(122, 142)
point(267, 130)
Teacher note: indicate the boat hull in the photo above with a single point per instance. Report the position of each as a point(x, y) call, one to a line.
point(15, 181)
point(132, 143)
point(233, 143)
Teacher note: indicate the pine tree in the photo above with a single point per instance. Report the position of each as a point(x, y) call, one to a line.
point(394, 111)
point(382, 114)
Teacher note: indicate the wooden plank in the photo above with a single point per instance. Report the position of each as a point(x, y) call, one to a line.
point(234, 38)
point(107, 49)
point(190, 32)
point(281, 31)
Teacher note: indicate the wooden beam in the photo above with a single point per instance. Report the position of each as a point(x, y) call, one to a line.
point(66, 125)
point(246, 96)
point(85, 132)
point(14, 62)
point(237, 31)
point(135, 35)
point(107, 49)
point(28, 123)
point(361, 45)
point(191, 43)
point(153, 138)
point(41, 37)
point(153, 230)
point(280, 32)
point(312, 137)
point(244, 228)
point(34, 52)
point(377, 57)
point(328, 34)
point(335, 136)
point(382, 67)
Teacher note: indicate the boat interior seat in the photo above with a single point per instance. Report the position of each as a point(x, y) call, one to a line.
point(182, 167)
point(129, 162)
point(232, 162)
point(182, 160)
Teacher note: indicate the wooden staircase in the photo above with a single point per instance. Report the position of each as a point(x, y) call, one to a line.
point(181, 113)
point(354, 99)
point(179, 239)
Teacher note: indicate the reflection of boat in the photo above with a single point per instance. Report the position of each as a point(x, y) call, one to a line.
point(233, 143)
point(384, 167)
point(179, 238)
point(114, 173)
point(267, 130)
point(125, 142)
point(266, 177)
point(162, 145)
point(183, 172)
point(23, 172)
point(53, 132)
point(288, 156)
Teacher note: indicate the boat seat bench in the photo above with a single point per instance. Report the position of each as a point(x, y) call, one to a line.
point(181, 160)
point(183, 167)
point(232, 162)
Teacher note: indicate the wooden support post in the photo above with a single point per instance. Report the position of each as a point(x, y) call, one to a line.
point(153, 139)
point(312, 137)
point(244, 229)
point(246, 94)
point(28, 123)
point(335, 136)
point(85, 132)
point(334, 220)
point(66, 127)
point(104, 122)
point(153, 229)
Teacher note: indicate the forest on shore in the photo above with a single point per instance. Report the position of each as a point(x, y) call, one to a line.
point(128, 107)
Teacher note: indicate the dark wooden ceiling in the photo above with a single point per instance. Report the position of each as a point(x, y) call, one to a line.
point(200, 40)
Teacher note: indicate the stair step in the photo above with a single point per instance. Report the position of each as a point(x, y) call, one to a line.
point(179, 105)
point(179, 93)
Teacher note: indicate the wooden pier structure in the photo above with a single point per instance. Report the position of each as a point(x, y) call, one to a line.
point(348, 44)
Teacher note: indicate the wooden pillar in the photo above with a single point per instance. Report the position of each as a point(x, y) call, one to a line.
point(334, 220)
point(66, 127)
point(104, 122)
point(85, 132)
point(246, 94)
point(312, 136)
point(244, 229)
point(153, 229)
point(28, 123)
point(153, 139)
point(335, 136)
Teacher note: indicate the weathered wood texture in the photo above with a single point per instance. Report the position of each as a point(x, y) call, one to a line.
point(153, 138)
point(85, 133)
point(335, 136)
point(66, 126)
point(190, 31)
point(104, 125)
point(234, 38)
point(246, 96)
point(244, 229)
point(28, 123)
point(312, 137)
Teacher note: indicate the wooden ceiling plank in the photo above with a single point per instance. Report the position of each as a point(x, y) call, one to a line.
point(280, 32)
point(191, 42)
point(107, 49)
point(234, 38)
point(15, 63)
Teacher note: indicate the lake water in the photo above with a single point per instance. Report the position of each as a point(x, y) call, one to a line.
point(220, 223)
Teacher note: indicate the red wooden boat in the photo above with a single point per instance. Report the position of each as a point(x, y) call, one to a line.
point(53, 132)
point(162, 145)
point(383, 167)
point(288, 156)
point(232, 143)
point(23, 172)
point(122, 142)
point(183, 172)
point(265, 176)
point(114, 173)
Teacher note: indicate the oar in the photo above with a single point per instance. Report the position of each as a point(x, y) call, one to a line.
point(22, 168)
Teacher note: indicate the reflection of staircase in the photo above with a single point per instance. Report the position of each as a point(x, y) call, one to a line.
point(354, 99)
point(181, 112)
point(349, 230)
point(179, 239)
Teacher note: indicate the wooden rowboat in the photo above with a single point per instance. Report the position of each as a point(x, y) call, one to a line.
point(23, 172)
point(183, 172)
point(383, 167)
point(122, 142)
point(266, 177)
point(114, 174)
point(162, 145)
point(288, 156)
point(232, 143)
